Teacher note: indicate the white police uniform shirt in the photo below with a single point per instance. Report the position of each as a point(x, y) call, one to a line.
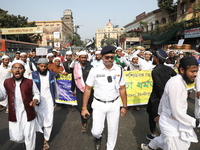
point(104, 90)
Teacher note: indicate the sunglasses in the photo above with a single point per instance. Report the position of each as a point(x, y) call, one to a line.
point(109, 57)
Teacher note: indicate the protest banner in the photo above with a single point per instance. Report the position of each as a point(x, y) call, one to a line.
point(64, 89)
point(138, 87)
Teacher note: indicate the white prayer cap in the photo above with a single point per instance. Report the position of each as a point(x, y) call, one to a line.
point(99, 49)
point(57, 58)
point(147, 52)
point(49, 54)
point(23, 53)
point(134, 56)
point(77, 53)
point(118, 48)
point(91, 50)
point(82, 53)
point(17, 62)
point(140, 47)
point(181, 52)
point(4, 56)
point(98, 52)
point(54, 50)
point(68, 53)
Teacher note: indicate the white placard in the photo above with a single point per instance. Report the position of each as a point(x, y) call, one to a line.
point(41, 51)
point(180, 42)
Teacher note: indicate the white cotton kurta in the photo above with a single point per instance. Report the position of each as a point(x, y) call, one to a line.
point(175, 124)
point(23, 130)
point(45, 110)
point(28, 69)
point(145, 65)
point(5, 73)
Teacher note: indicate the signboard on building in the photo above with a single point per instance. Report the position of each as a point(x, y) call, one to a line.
point(56, 36)
point(41, 51)
point(27, 30)
point(192, 33)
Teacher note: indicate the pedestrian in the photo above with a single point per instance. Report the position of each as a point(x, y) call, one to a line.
point(58, 68)
point(29, 66)
point(160, 75)
point(34, 58)
point(175, 124)
point(68, 61)
point(5, 73)
point(98, 60)
point(23, 96)
point(146, 63)
point(46, 84)
point(80, 74)
point(109, 84)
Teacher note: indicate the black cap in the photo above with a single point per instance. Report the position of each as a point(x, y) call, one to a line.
point(162, 55)
point(108, 50)
point(188, 61)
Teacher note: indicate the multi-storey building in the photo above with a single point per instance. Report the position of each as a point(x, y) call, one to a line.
point(110, 31)
point(56, 33)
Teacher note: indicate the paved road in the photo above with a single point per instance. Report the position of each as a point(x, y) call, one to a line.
point(66, 133)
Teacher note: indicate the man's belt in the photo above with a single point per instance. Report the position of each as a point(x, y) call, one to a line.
point(111, 101)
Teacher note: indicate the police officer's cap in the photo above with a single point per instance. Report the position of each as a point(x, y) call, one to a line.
point(108, 50)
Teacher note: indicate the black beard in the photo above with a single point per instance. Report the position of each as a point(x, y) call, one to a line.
point(17, 79)
point(186, 79)
point(44, 73)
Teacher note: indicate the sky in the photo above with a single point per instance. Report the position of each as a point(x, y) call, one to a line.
point(90, 15)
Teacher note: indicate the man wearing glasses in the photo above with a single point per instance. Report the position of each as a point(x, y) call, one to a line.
point(109, 84)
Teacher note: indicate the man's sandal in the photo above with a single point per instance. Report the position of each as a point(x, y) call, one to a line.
point(84, 128)
point(46, 146)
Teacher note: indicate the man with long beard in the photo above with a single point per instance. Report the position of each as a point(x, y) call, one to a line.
point(46, 84)
point(23, 96)
point(175, 124)
point(160, 75)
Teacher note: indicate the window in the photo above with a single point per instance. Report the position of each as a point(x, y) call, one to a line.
point(183, 8)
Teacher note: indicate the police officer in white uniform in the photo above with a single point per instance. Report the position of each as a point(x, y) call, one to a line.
point(109, 84)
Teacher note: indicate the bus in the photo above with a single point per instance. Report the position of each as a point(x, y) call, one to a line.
point(10, 45)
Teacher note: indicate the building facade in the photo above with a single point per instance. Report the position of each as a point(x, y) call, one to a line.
point(110, 31)
point(56, 33)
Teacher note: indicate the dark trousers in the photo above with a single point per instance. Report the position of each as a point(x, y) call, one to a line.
point(79, 97)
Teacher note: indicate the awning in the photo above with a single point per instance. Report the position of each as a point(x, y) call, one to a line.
point(163, 38)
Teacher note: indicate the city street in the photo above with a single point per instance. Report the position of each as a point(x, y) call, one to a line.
point(66, 134)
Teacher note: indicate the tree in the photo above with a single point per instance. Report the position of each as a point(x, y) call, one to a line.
point(107, 41)
point(75, 40)
point(165, 4)
point(12, 21)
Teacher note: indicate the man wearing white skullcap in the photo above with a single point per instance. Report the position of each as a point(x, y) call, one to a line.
point(23, 96)
point(29, 66)
point(79, 76)
point(146, 63)
point(68, 61)
point(98, 60)
point(5, 73)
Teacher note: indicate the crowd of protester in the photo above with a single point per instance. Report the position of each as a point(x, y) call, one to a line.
point(79, 65)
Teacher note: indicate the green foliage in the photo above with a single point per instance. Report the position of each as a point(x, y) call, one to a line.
point(12, 21)
point(75, 40)
point(107, 41)
point(165, 4)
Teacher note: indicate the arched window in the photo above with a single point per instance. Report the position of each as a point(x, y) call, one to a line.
point(163, 21)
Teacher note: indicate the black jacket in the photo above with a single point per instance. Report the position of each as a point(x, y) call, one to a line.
point(160, 75)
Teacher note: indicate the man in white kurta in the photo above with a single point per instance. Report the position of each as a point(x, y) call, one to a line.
point(29, 66)
point(175, 124)
point(43, 78)
point(21, 130)
point(146, 63)
point(5, 73)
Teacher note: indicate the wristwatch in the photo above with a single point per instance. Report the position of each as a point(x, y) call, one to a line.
point(125, 107)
